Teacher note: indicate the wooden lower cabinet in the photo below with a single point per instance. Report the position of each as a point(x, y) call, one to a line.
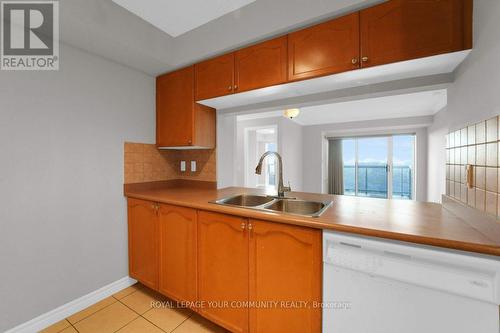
point(249, 275)
point(285, 267)
point(143, 242)
point(177, 247)
point(223, 269)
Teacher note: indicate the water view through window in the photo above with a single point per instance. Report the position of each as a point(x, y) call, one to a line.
point(379, 167)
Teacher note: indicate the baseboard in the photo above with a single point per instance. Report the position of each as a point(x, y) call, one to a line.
point(68, 309)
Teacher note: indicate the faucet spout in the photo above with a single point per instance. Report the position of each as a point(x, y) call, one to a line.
point(258, 170)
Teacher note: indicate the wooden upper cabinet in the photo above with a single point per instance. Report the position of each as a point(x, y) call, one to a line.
point(175, 108)
point(177, 243)
point(223, 269)
point(261, 65)
point(392, 31)
point(327, 48)
point(180, 122)
point(285, 265)
point(400, 30)
point(143, 242)
point(215, 77)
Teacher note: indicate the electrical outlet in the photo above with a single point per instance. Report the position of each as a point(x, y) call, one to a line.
point(193, 166)
point(183, 166)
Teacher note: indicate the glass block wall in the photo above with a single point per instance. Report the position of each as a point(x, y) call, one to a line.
point(475, 147)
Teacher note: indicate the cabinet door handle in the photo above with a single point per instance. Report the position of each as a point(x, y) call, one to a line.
point(229, 88)
point(364, 59)
point(250, 226)
point(235, 87)
point(243, 225)
point(354, 61)
point(470, 176)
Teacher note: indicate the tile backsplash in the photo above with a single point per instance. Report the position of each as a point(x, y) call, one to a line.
point(475, 148)
point(145, 163)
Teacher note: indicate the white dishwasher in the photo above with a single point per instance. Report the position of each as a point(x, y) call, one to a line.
point(376, 286)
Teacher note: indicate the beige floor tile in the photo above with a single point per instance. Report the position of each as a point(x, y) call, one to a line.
point(140, 325)
point(141, 300)
point(107, 320)
point(70, 329)
point(57, 327)
point(198, 324)
point(127, 291)
point(90, 310)
point(167, 319)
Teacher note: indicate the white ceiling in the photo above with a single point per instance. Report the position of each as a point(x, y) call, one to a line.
point(176, 17)
point(397, 106)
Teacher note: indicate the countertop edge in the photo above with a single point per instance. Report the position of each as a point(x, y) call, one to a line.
point(299, 221)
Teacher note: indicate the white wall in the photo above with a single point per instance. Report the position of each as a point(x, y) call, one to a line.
point(63, 229)
point(302, 148)
point(290, 142)
point(436, 163)
point(289, 147)
point(226, 150)
point(230, 150)
point(475, 94)
point(313, 147)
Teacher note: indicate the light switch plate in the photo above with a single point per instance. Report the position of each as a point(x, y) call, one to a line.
point(183, 166)
point(193, 166)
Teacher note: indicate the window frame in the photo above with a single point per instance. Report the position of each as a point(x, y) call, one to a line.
point(390, 160)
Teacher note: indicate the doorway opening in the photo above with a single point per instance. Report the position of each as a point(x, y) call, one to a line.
point(257, 141)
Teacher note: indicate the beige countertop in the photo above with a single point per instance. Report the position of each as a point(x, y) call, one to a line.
point(410, 221)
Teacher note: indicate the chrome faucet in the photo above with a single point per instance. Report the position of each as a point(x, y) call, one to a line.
point(258, 170)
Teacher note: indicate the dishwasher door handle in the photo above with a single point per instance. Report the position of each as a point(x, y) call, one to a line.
point(398, 255)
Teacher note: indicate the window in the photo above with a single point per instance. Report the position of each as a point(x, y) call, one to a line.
point(257, 142)
point(379, 167)
point(402, 166)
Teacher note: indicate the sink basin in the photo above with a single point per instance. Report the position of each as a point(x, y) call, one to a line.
point(300, 207)
point(245, 200)
point(274, 204)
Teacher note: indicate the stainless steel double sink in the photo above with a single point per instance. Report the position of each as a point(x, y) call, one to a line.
point(276, 204)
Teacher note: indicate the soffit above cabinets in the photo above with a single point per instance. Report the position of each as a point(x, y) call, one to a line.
point(176, 17)
point(440, 64)
point(424, 103)
point(419, 104)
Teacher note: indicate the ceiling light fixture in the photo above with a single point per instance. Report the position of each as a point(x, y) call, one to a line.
point(291, 113)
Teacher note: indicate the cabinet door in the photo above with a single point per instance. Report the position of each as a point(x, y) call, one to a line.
point(400, 30)
point(285, 265)
point(175, 108)
point(215, 77)
point(178, 252)
point(143, 242)
point(261, 65)
point(223, 269)
point(327, 48)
